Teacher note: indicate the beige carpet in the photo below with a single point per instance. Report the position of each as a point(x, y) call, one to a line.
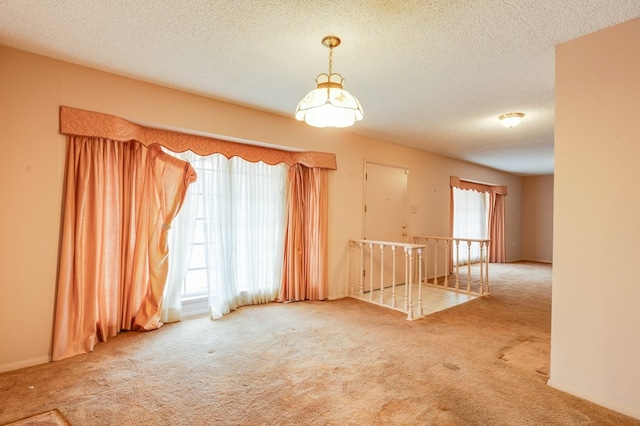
point(345, 362)
point(48, 418)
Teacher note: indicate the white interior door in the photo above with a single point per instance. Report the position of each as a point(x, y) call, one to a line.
point(385, 219)
point(386, 207)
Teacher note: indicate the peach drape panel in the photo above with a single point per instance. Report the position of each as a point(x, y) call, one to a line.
point(305, 251)
point(497, 248)
point(497, 194)
point(120, 200)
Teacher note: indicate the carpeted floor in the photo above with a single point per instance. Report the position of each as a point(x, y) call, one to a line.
point(343, 362)
point(48, 418)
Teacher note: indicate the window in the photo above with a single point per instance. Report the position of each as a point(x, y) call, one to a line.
point(231, 228)
point(470, 220)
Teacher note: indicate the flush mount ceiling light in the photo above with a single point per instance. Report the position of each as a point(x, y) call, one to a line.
point(512, 119)
point(329, 105)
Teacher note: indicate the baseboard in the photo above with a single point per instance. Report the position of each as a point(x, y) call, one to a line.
point(336, 297)
point(24, 363)
point(632, 411)
point(548, 262)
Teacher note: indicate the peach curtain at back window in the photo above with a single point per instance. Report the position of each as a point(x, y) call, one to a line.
point(497, 251)
point(305, 250)
point(120, 200)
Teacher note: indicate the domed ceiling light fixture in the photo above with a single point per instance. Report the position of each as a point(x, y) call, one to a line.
point(329, 105)
point(512, 119)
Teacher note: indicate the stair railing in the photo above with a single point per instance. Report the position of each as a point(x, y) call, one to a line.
point(382, 267)
point(447, 259)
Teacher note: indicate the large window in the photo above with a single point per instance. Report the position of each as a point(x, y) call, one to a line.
point(470, 220)
point(231, 228)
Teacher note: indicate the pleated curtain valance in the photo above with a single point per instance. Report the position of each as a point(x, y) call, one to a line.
point(456, 182)
point(80, 122)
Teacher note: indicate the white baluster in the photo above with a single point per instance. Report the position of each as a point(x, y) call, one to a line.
point(420, 310)
point(481, 289)
point(361, 269)
point(468, 266)
point(393, 276)
point(414, 270)
point(426, 260)
point(370, 271)
point(486, 271)
point(446, 263)
point(381, 274)
point(408, 278)
point(435, 262)
point(406, 291)
point(457, 265)
point(351, 268)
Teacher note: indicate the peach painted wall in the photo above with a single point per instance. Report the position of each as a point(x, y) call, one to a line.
point(32, 162)
point(537, 218)
point(595, 342)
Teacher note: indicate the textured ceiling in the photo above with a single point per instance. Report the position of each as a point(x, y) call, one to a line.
point(434, 75)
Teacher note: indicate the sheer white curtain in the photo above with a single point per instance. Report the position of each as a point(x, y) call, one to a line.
point(180, 242)
point(470, 220)
point(231, 230)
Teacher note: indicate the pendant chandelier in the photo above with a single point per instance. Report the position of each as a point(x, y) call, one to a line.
point(329, 105)
point(512, 119)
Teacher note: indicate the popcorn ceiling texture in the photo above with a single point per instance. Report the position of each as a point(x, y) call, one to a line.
point(434, 75)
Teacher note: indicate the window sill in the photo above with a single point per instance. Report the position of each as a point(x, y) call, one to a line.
point(196, 305)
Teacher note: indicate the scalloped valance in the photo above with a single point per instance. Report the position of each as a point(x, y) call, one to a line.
point(80, 122)
point(456, 182)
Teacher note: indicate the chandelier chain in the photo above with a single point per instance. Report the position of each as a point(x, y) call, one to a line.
point(330, 61)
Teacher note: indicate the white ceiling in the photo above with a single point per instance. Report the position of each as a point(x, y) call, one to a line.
point(434, 75)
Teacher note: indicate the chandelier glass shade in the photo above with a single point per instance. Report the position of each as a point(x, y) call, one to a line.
point(329, 105)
